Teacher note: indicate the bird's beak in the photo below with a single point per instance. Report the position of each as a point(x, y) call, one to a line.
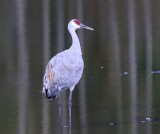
point(86, 27)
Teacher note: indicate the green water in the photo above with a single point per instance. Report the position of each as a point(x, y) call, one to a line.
point(119, 90)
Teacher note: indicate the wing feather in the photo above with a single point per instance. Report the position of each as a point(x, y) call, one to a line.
point(62, 72)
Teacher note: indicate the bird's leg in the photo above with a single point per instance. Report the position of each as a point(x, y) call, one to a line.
point(70, 99)
point(70, 108)
point(59, 110)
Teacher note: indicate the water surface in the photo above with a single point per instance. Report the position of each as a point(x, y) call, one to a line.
point(119, 90)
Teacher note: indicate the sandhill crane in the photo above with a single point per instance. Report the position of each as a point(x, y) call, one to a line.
point(65, 69)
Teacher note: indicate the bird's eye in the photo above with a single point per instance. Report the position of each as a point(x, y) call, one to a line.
point(77, 22)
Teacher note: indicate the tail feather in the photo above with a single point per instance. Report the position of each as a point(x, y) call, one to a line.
point(51, 95)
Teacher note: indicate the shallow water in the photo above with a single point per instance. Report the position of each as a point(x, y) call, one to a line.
point(119, 90)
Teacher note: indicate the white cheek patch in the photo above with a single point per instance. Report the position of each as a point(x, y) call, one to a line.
point(75, 25)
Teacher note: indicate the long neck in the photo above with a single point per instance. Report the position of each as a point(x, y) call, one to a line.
point(75, 42)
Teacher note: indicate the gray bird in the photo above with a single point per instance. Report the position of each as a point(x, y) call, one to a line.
point(65, 69)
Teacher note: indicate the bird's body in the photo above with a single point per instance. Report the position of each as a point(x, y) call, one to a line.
point(65, 69)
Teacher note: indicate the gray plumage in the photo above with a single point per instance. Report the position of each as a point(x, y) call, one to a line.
point(65, 69)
